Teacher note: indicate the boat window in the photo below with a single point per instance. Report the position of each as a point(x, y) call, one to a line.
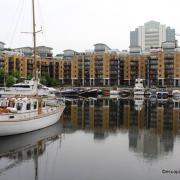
point(21, 86)
point(176, 104)
point(28, 106)
point(11, 103)
point(3, 103)
point(35, 105)
point(19, 106)
point(44, 104)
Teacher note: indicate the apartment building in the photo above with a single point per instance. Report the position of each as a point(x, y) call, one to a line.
point(103, 67)
point(42, 51)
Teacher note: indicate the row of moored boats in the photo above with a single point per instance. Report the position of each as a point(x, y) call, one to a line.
point(159, 93)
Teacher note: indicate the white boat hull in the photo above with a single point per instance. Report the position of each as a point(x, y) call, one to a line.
point(27, 125)
point(114, 92)
point(141, 92)
point(176, 94)
point(138, 88)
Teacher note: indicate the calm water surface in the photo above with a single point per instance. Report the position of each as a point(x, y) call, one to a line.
point(99, 140)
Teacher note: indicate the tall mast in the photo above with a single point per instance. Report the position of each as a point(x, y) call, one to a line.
point(34, 41)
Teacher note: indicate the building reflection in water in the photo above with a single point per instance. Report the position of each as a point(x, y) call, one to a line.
point(152, 125)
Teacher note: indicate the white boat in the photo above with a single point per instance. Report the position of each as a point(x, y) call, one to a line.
point(176, 103)
point(138, 102)
point(139, 88)
point(28, 87)
point(46, 91)
point(114, 92)
point(26, 114)
point(176, 93)
point(153, 98)
point(162, 94)
point(26, 111)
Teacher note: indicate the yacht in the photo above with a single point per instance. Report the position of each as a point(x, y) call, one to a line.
point(28, 87)
point(139, 88)
point(138, 102)
point(25, 114)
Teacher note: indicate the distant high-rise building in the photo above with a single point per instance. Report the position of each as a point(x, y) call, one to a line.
point(170, 34)
point(134, 38)
point(151, 35)
point(2, 45)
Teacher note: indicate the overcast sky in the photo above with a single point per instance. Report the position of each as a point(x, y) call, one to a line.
point(78, 24)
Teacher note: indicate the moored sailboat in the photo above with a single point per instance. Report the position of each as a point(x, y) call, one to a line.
point(24, 114)
point(26, 111)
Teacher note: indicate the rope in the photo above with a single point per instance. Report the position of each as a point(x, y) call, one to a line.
point(42, 22)
point(17, 21)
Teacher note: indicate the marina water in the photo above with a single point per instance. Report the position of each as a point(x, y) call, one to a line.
point(99, 139)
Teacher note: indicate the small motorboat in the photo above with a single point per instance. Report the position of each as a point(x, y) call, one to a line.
point(176, 94)
point(138, 102)
point(125, 93)
point(114, 92)
point(162, 94)
point(153, 98)
point(89, 93)
point(70, 93)
point(106, 92)
point(139, 88)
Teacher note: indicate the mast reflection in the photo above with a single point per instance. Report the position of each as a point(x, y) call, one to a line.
point(28, 146)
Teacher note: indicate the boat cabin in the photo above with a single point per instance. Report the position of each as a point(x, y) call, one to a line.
point(139, 81)
point(21, 105)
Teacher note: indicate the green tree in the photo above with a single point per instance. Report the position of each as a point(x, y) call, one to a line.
point(48, 81)
point(2, 76)
point(29, 77)
point(16, 75)
point(10, 80)
point(43, 81)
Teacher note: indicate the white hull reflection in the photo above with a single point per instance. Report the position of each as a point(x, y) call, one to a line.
point(138, 102)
